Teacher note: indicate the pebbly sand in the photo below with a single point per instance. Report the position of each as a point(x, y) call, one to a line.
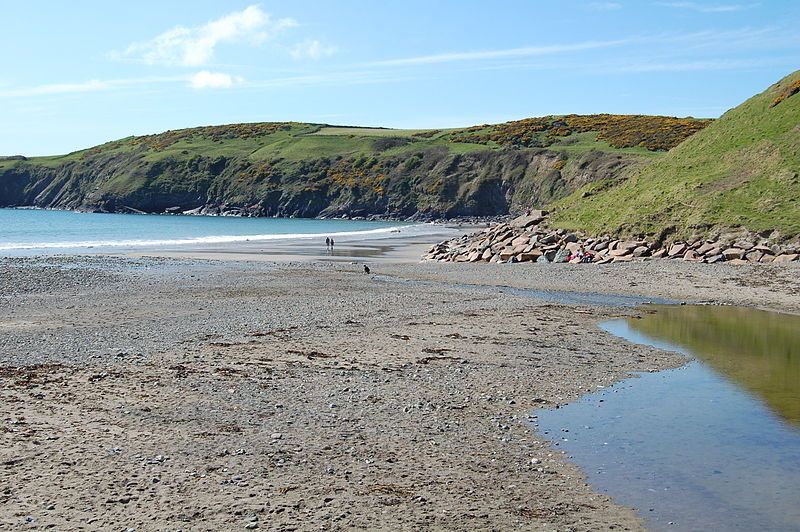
point(274, 393)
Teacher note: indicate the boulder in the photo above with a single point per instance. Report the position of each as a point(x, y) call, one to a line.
point(522, 239)
point(520, 248)
point(677, 250)
point(487, 254)
point(766, 258)
point(506, 254)
point(706, 249)
point(550, 238)
point(753, 256)
point(561, 255)
point(528, 220)
point(530, 256)
point(737, 262)
point(640, 251)
point(619, 252)
point(733, 253)
point(764, 249)
point(786, 257)
point(600, 246)
point(630, 244)
point(691, 255)
point(622, 258)
point(713, 259)
point(660, 253)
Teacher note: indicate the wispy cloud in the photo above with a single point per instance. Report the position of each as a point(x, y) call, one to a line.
point(528, 51)
point(312, 49)
point(195, 46)
point(708, 8)
point(200, 80)
point(692, 66)
point(604, 6)
point(94, 85)
point(213, 80)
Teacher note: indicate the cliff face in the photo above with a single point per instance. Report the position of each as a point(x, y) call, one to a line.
point(432, 182)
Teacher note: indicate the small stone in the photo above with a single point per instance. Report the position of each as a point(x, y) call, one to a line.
point(277, 435)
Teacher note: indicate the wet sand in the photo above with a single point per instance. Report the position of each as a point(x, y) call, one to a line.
point(180, 393)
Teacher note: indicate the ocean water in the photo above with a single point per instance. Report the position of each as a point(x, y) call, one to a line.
point(24, 231)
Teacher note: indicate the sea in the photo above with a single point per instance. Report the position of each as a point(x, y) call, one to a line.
point(33, 231)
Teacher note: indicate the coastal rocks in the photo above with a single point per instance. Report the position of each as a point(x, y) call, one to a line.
point(528, 238)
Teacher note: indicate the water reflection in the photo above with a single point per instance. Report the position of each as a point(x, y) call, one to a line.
point(759, 351)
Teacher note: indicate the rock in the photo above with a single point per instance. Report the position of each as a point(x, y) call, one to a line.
point(600, 246)
point(622, 258)
point(572, 246)
point(736, 262)
point(733, 253)
point(522, 240)
point(528, 220)
point(475, 256)
point(519, 249)
point(550, 238)
point(677, 249)
point(487, 254)
point(630, 244)
point(691, 255)
point(570, 238)
point(640, 251)
point(660, 253)
point(715, 259)
point(619, 252)
point(764, 249)
point(530, 256)
point(276, 435)
point(561, 255)
point(707, 249)
point(753, 256)
point(786, 257)
point(766, 258)
point(506, 254)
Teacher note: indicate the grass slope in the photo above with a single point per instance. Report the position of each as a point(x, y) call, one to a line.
point(742, 171)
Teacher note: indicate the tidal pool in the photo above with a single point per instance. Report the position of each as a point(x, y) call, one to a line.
point(714, 445)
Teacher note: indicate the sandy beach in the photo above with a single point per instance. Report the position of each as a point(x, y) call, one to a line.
point(294, 392)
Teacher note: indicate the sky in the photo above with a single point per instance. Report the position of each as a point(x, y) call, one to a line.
point(77, 74)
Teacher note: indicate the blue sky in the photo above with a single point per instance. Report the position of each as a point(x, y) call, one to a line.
point(76, 74)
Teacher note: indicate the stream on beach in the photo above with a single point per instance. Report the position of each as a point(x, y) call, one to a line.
point(713, 445)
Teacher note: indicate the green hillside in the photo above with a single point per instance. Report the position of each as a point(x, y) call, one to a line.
point(298, 169)
point(742, 171)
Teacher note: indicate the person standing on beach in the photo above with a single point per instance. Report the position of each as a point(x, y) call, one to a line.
point(332, 244)
point(327, 242)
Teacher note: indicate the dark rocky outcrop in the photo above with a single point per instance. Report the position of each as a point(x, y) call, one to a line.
point(433, 183)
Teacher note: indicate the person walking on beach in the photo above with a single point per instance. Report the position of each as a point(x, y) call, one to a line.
point(332, 244)
point(327, 242)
